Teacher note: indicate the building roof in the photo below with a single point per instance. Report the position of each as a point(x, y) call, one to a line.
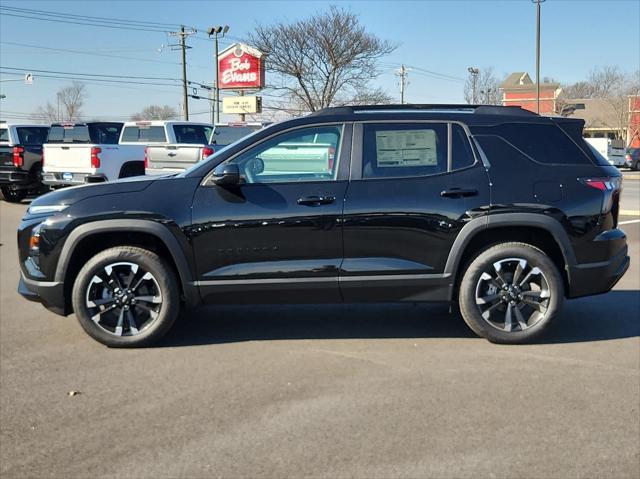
point(597, 112)
point(522, 81)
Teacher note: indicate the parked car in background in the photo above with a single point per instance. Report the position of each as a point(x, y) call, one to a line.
point(495, 209)
point(226, 133)
point(632, 158)
point(21, 159)
point(183, 144)
point(612, 150)
point(91, 152)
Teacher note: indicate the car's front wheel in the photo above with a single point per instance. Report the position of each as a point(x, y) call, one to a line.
point(126, 297)
point(511, 293)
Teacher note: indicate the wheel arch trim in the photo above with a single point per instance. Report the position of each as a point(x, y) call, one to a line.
point(532, 220)
point(153, 228)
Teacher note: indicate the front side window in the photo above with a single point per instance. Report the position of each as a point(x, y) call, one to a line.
point(404, 150)
point(305, 154)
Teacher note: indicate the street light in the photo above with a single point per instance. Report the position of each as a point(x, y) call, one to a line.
point(215, 31)
point(538, 2)
point(474, 78)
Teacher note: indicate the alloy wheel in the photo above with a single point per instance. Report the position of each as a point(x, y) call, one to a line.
point(123, 299)
point(512, 295)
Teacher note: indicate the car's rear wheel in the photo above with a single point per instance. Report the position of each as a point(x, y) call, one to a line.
point(511, 293)
point(13, 195)
point(126, 297)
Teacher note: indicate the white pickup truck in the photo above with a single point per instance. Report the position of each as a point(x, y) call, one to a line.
point(612, 150)
point(185, 144)
point(89, 153)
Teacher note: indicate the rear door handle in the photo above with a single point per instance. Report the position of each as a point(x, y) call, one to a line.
point(458, 192)
point(316, 200)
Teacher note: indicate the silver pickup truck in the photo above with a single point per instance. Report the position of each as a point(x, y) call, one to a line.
point(185, 144)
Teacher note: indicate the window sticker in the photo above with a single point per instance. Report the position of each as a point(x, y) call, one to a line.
point(406, 148)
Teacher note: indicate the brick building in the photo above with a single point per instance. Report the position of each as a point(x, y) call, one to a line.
point(519, 90)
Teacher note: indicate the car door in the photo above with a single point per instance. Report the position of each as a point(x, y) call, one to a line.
point(414, 185)
point(277, 235)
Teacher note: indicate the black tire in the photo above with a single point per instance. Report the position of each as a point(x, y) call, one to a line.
point(154, 320)
point(636, 165)
point(13, 195)
point(132, 168)
point(479, 288)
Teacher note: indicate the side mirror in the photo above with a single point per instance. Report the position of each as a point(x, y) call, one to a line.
point(226, 174)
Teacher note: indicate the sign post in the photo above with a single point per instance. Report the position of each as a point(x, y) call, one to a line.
point(240, 68)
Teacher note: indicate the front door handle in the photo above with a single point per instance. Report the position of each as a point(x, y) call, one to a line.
point(458, 193)
point(316, 200)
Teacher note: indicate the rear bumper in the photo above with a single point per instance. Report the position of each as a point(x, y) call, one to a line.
point(163, 171)
point(65, 179)
point(49, 293)
point(600, 277)
point(16, 177)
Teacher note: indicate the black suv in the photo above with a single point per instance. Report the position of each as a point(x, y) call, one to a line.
point(495, 209)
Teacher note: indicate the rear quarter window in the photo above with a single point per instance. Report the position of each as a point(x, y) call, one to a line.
point(546, 144)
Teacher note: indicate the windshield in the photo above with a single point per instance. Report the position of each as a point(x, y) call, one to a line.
point(212, 160)
point(225, 135)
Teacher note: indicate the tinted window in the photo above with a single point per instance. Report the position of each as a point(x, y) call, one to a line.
point(198, 134)
point(461, 154)
point(225, 135)
point(309, 154)
point(543, 143)
point(401, 150)
point(32, 135)
point(144, 134)
point(99, 133)
point(4, 134)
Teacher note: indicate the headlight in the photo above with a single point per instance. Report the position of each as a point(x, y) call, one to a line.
point(38, 210)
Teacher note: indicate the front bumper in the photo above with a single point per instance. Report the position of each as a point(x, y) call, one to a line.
point(600, 277)
point(49, 293)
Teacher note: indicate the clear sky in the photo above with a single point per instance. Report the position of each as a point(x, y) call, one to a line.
point(438, 36)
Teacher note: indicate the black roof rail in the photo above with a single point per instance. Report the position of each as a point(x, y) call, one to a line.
point(476, 109)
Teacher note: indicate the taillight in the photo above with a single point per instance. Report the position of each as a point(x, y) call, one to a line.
point(95, 159)
point(611, 187)
point(332, 157)
point(146, 157)
point(207, 151)
point(18, 158)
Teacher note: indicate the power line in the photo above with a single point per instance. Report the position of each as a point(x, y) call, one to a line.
point(58, 20)
point(89, 74)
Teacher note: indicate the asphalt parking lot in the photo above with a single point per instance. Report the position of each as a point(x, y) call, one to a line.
point(331, 391)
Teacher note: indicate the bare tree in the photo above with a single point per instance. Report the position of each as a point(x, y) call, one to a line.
point(487, 88)
point(610, 84)
point(322, 59)
point(70, 100)
point(156, 112)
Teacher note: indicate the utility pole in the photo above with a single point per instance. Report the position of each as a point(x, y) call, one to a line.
point(537, 2)
point(215, 31)
point(183, 34)
point(474, 84)
point(402, 73)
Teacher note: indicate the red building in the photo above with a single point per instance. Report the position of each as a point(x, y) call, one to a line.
point(633, 132)
point(519, 90)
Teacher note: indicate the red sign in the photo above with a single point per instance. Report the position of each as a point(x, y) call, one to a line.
point(240, 67)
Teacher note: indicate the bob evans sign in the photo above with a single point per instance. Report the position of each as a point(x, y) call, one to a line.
point(240, 67)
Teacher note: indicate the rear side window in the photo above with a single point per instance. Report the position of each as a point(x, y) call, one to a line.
point(144, 134)
point(404, 150)
point(544, 143)
point(461, 154)
point(4, 135)
point(32, 135)
point(198, 134)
